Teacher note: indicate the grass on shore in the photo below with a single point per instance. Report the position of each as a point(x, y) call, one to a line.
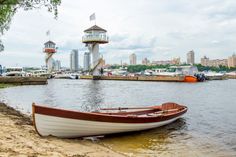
point(2, 85)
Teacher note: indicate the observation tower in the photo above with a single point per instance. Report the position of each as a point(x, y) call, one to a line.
point(49, 50)
point(94, 36)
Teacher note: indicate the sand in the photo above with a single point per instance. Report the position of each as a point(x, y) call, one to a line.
point(18, 138)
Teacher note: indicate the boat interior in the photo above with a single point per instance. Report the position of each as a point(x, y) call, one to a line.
point(164, 109)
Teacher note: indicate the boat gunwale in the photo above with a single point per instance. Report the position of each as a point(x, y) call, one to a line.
point(101, 117)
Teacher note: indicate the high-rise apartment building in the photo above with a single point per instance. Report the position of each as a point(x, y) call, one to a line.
point(190, 57)
point(145, 61)
point(74, 60)
point(57, 65)
point(205, 61)
point(86, 61)
point(133, 59)
point(232, 61)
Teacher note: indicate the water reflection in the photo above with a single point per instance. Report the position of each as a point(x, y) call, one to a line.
point(50, 96)
point(93, 97)
point(151, 140)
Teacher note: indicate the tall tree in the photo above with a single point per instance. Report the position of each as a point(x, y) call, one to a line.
point(9, 7)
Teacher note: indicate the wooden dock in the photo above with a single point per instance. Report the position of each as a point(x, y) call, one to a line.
point(231, 76)
point(24, 80)
point(136, 78)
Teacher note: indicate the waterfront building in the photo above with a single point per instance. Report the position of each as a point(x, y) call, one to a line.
point(74, 60)
point(167, 62)
point(133, 59)
point(145, 61)
point(190, 57)
point(86, 61)
point(176, 61)
point(49, 50)
point(93, 37)
point(232, 61)
point(218, 62)
point(205, 61)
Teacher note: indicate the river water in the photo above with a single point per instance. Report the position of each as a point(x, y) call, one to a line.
point(208, 128)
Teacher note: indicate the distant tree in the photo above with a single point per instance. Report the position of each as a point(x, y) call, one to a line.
point(217, 69)
point(8, 8)
point(140, 68)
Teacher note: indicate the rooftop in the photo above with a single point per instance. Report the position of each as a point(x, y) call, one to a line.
point(95, 28)
point(49, 42)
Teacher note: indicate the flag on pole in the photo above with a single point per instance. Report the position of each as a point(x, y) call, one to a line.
point(48, 33)
point(92, 17)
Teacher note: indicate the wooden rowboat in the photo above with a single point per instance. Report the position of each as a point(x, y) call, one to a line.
point(70, 124)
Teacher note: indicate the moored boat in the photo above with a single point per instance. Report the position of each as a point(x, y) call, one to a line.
point(231, 75)
point(70, 124)
point(14, 71)
point(210, 75)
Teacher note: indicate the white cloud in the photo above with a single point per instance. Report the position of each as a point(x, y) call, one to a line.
point(155, 29)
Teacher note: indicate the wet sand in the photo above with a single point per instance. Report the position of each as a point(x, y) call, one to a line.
point(18, 138)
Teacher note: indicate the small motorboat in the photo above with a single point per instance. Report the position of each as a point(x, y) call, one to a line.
point(70, 124)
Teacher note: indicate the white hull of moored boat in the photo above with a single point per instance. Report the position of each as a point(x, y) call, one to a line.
point(70, 128)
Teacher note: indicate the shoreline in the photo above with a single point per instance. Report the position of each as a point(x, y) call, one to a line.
point(18, 138)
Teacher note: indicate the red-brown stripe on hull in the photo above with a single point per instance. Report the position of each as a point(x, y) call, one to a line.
point(105, 117)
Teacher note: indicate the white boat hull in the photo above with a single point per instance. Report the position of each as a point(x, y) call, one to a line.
point(70, 128)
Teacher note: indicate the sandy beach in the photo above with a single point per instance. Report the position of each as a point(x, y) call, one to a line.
point(18, 138)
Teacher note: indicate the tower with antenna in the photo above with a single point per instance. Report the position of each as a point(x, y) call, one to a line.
point(93, 37)
point(49, 50)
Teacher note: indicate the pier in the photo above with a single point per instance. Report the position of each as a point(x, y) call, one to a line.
point(136, 78)
point(24, 80)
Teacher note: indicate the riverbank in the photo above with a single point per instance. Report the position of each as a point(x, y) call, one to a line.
point(23, 80)
point(2, 85)
point(18, 138)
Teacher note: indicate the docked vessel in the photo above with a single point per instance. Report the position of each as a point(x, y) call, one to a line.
point(190, 73)
point(14, 71)
point(42, 73)
point(70, 124)
point(231, 75)
point(67, 76)
point(210, 75)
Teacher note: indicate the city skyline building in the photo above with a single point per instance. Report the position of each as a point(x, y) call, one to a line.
point(176, 61)
point(145, 61)
point(232, 61)
point(74, 60)
point(86, 61)
point(205, 61)
point(190, 57)
point(133, 59)
point(57, 65)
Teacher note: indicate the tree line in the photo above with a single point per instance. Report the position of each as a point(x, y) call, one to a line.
point(140, 68)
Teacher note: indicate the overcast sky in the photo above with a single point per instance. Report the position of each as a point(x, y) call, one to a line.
point(156, 29)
